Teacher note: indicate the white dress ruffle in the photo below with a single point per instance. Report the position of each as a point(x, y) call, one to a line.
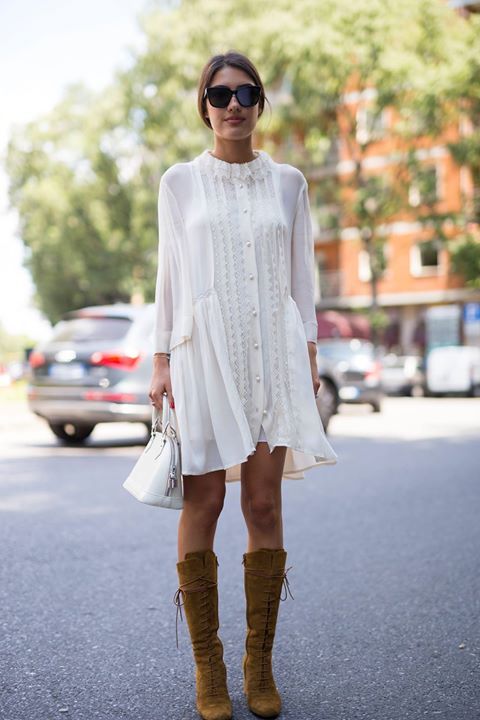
point(211, 422)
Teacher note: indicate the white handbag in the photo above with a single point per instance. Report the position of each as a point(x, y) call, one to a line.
point(156, 478)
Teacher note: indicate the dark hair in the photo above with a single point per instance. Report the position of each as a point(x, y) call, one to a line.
point(229, 59)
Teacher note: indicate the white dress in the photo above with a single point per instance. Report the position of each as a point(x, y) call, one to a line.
point(240, 369)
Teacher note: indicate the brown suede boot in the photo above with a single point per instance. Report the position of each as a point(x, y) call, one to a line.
point(198, 585)
point(264, 573)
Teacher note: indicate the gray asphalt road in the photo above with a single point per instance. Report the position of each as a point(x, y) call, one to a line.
point(385, 554)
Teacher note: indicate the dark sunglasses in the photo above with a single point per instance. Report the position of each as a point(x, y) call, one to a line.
point(220, 95)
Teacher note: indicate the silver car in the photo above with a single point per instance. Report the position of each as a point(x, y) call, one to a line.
point(358, 369)
point(97, 366)
point(403, 375)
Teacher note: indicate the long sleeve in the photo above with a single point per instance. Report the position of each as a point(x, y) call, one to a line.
point(303, 265)
point(163, 289)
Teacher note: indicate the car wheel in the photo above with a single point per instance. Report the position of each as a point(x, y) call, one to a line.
point(71, 433)
point(327, 402)
point(474, 391)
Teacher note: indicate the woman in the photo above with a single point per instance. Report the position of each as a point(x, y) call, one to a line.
point(235, 342)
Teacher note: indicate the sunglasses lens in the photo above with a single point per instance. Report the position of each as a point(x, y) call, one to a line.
point(219, 96)
point(248, 95)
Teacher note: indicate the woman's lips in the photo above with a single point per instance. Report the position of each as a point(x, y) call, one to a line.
point(234, 121)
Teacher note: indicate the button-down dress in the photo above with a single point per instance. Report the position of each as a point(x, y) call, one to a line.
point(236, 267)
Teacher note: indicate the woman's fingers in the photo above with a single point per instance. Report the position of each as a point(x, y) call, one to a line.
point(168, 390)
point(156, 396)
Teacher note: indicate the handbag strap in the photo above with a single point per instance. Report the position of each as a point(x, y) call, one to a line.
point(166, 416)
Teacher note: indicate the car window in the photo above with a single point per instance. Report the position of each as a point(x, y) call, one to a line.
point(343, 351)
point(86, 329)
point(396, 362)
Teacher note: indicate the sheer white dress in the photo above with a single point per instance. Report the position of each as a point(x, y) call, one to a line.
point(235, 308)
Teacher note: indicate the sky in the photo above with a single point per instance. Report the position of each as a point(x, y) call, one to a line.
point(44, 46)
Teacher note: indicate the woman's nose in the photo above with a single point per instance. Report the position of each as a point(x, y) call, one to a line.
point(235, 102)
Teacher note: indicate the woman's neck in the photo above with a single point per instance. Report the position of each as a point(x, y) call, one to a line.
point(234, 152)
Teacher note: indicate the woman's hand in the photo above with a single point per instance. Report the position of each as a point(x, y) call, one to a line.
point(160, 383)
point(312, 351)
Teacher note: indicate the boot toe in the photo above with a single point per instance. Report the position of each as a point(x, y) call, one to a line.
point(265, 707)
point(215, 711)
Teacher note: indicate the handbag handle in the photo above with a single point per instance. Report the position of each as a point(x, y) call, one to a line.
point(166, 416)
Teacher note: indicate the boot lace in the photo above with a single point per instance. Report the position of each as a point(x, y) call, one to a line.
point(203, 642)
point(262, 651)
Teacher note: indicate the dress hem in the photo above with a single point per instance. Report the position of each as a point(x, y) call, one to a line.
point(289, 474)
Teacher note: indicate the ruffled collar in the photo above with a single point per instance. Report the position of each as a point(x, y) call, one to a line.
point(255, 168)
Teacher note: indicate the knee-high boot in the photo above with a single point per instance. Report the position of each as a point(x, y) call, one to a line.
point(198, 586)
point(264, 573)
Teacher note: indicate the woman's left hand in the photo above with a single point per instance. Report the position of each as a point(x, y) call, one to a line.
point(312, 351)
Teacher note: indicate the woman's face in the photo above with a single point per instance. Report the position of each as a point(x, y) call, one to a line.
point(219, 117)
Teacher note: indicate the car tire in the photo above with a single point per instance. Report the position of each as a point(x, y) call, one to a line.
point(474, 391)
point(417, 391)
point(327, 402)
point(71, 433)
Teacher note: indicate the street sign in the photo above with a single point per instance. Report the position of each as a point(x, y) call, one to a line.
point(471, 320)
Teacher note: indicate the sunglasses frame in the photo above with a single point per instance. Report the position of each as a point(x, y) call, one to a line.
point(232, 93)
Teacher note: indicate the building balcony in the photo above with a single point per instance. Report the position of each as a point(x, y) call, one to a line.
point(330, 285)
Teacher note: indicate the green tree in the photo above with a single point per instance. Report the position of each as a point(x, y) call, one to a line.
point(87, 216)
point(85, 177)
point(465, 253)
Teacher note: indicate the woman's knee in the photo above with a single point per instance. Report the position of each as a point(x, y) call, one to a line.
point(262, 510)
point(205, 509)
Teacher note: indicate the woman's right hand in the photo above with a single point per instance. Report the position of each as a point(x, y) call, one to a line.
point(160, 383)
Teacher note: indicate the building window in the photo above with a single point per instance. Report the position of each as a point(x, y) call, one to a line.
point(424, 188)
point(325, 219)
point(370, 125)
point(364, 269)
point(425, 258)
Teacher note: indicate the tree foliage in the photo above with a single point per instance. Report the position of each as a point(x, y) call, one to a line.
point(84, 178)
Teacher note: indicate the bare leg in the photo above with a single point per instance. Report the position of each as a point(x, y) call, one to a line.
point(261, 497)
point(204, 496)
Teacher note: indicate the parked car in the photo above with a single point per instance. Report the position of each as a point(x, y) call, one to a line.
point(97, 365)
point(453, 369)
point(403, 374)
point(357, 368)
point(328, 396)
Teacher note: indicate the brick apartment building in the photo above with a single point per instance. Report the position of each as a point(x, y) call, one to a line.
point(418, 289)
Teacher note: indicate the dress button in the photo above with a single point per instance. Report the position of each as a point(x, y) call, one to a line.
point(241, 186)
point(264, 412)
point(257, 378)
point(251, 276)
point(254, 312)
point(248, 243)
point(255, 345)
point(245, 210)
